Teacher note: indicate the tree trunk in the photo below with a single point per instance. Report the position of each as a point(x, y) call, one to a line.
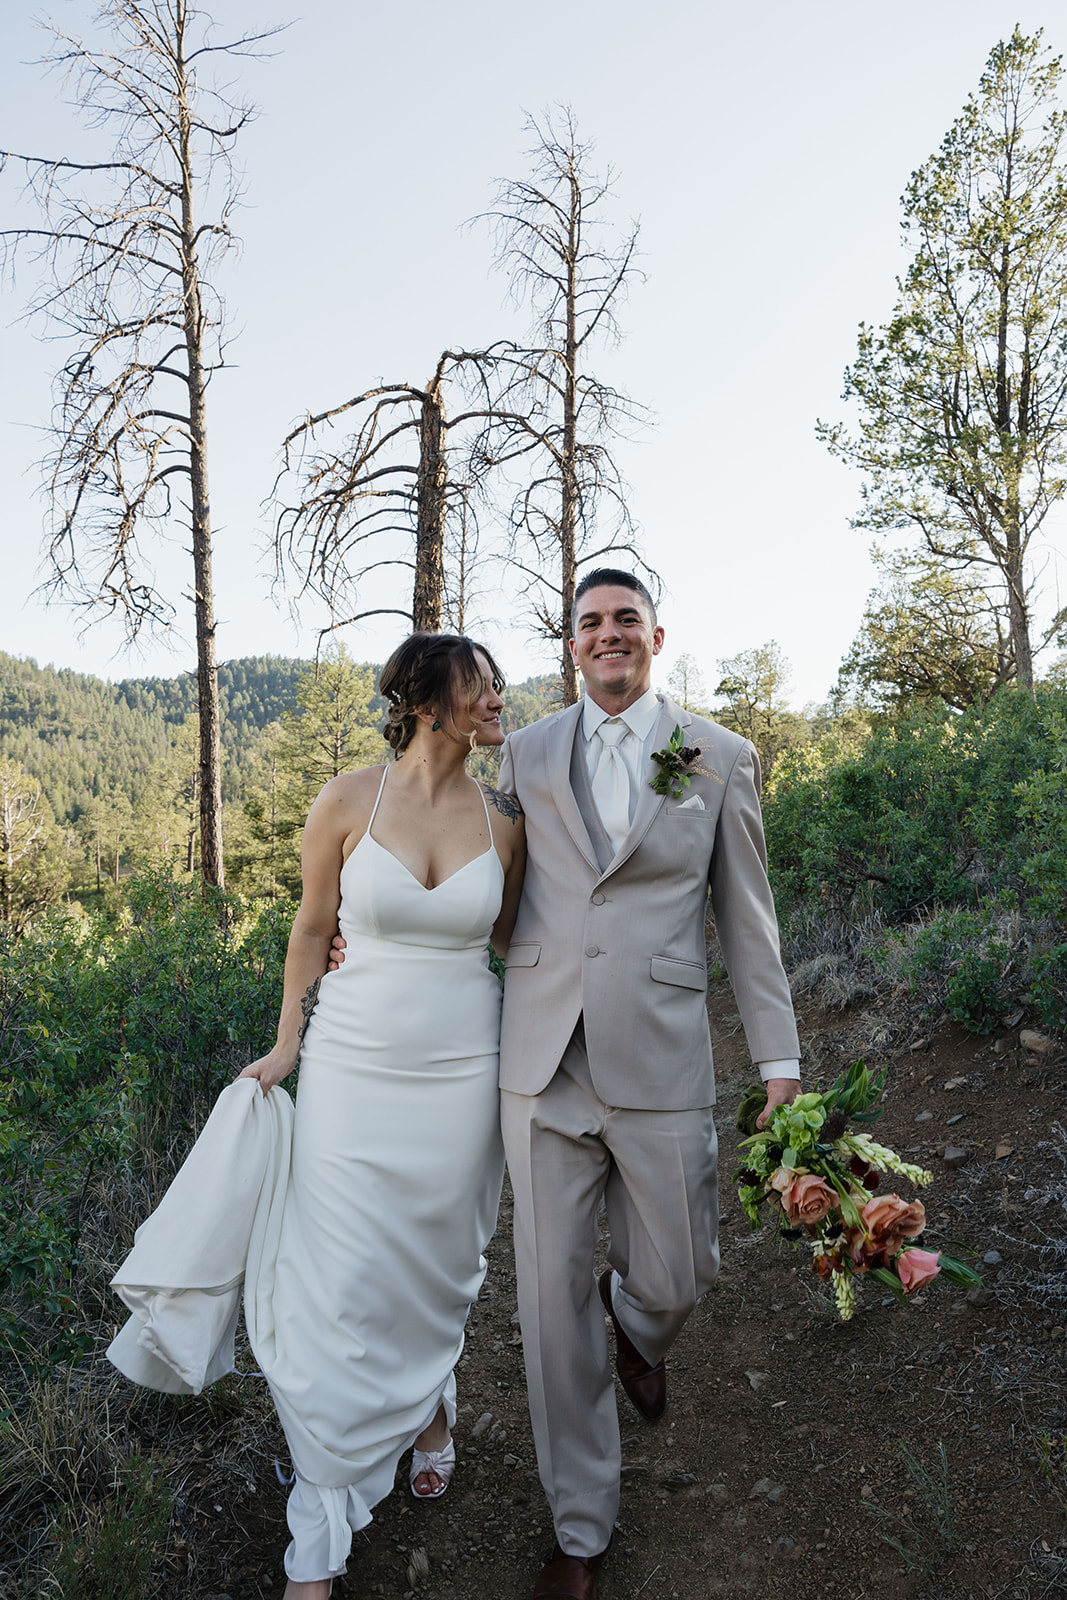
point(461, 587)
point(569, 475)
point(428, 596)
point(1018, 612)
point(274, 828)
point(207, 675)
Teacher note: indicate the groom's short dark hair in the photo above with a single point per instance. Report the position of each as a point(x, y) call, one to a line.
point(615, 578)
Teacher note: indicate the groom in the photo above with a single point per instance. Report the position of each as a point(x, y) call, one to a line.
point(605, 1064)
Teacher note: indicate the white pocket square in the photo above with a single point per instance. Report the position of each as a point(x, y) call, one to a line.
point(694, 803)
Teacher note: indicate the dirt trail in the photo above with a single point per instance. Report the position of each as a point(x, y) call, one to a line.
point(785, 1427)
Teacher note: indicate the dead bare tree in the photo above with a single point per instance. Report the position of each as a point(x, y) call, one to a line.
point(129, 261)
point(463, 559)
point(528, 416)
point(388, 478)
point(549, 412)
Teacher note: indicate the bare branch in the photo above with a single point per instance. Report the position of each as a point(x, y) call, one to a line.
point(126, 276)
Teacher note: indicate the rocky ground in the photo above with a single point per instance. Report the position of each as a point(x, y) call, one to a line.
point(798, 1453)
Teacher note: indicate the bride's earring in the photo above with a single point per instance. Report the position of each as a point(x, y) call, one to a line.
point(436, 728)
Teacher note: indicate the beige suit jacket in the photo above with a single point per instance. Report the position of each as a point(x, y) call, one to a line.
point(624, 945)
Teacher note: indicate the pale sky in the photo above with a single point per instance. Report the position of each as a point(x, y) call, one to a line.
point(763, 147)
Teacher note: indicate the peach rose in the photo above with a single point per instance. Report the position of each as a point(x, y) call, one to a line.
point(808, 1200)
point(782, 1179)
point(889, 1220)
point(915, 1268)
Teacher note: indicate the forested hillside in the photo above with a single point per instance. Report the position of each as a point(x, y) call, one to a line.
point(80, 736)
point(104, 775)
point(253, 691)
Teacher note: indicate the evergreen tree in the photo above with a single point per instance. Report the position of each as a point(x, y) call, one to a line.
point(928, 633)
point(263, 849)
point(962, 396)
point(105, 829)
point(34, 869)
point(332, 729)
point(754, 684)
point(167, 818)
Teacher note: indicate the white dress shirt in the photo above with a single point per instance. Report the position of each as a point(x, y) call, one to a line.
point(635, 749)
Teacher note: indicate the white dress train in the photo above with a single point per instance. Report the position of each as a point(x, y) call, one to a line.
point(362, 1253)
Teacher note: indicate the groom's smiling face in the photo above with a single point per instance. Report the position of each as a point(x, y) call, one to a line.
point(613, 645)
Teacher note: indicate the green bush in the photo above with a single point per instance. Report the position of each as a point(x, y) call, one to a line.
point(107, 1551)
point(938, 809)
point(112, 1032)
point(961, 959)
point(1048, 986)
point(1042, 809)
point(955, 819)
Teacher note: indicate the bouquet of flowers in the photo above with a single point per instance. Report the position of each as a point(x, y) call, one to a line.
point(823, 1174)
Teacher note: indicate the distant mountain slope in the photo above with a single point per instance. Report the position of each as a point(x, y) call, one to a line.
point(78, 734)
point(254, 691)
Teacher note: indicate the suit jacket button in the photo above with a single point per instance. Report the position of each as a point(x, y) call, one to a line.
point(592, 950)
point(598, 899)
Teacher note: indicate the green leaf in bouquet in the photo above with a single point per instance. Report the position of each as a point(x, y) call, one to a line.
point(850, 1211)
point(763, 1141)
point(856, 1094)
point(867, 1116)
point(957, 1271)
point(889, 1279)
point(752, 1197)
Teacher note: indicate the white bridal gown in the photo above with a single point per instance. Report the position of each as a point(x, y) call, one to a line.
point(361, 1256)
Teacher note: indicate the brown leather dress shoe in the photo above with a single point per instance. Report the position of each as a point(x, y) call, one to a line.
point(566, 1577)
point(646, 1386)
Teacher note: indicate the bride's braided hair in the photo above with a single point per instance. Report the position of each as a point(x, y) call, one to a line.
point(424, 674)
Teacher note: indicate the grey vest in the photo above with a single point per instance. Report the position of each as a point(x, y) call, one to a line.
point(603, 848)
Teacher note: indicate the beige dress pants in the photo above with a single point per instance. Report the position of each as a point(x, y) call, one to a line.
point(656, 1171)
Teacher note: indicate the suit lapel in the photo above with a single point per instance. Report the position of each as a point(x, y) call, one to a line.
point(649, 803)
point(558, 749)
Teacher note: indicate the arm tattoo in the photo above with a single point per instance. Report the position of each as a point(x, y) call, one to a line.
point(307, 1006)
point(506, 804)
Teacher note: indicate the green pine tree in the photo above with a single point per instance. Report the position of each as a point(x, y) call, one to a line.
point(332, 729)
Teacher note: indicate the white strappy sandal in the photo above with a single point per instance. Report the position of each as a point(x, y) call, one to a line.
point(440, 1462)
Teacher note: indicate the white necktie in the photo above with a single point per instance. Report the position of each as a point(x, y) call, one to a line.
point(611, 782)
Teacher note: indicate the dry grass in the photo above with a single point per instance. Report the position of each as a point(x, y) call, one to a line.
point(97, 1474)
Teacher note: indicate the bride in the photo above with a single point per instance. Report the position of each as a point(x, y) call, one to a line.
point(357, 1313)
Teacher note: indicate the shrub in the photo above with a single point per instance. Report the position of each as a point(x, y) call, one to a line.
point(115, 1034)
point(1048, 986)
point(938, 809)
point(965, 960)
point(107, 1550)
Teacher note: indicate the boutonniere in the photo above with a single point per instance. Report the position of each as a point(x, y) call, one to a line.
point(678, 763)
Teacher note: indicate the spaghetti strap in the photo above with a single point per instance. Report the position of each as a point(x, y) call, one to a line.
point(488, 818)
point(378, 801)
